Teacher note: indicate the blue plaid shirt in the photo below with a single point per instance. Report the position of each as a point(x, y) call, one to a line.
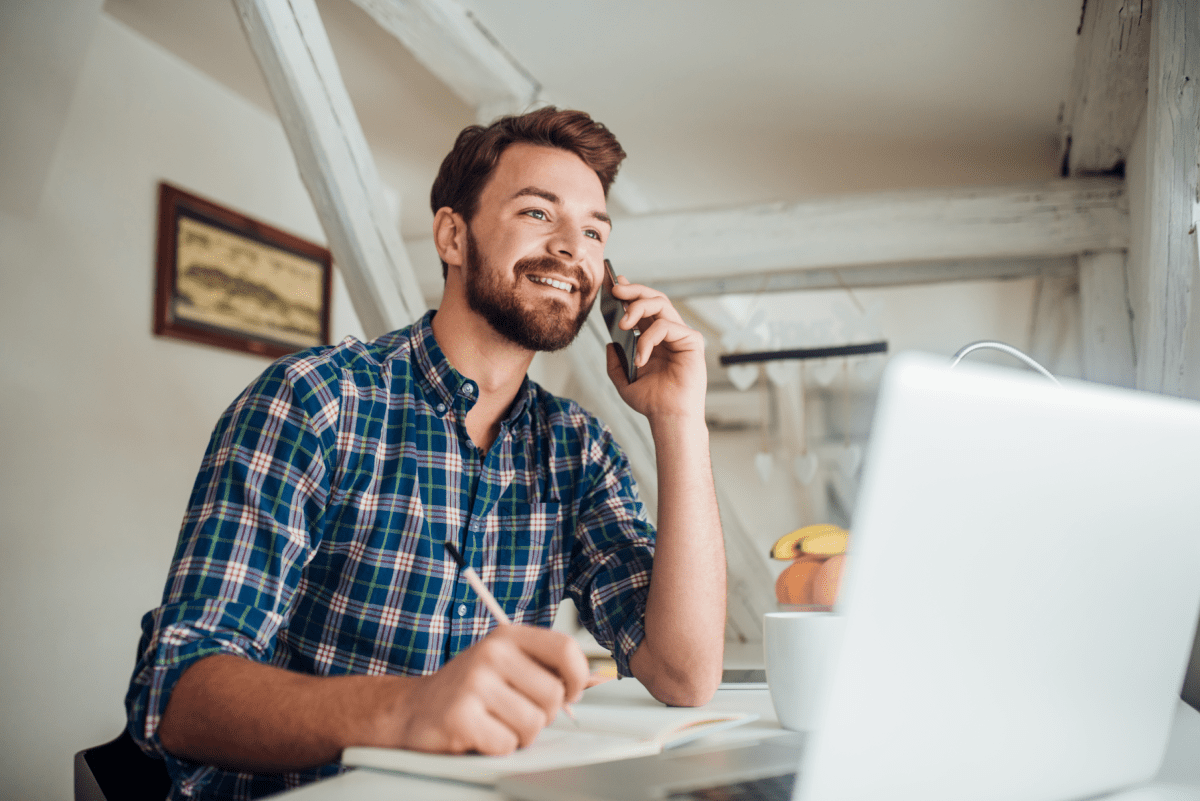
point(313, 536)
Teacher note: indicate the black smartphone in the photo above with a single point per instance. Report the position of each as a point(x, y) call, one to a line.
point(613, 310)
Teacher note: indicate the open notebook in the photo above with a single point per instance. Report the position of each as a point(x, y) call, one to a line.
point(605, 732)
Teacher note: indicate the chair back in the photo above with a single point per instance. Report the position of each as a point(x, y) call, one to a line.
point(119, 770)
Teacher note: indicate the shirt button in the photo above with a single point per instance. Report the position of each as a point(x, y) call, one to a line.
point(468, 389)
point(462, 610)
point(441, 408)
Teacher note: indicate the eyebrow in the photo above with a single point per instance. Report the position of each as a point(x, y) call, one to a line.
point(550, 197)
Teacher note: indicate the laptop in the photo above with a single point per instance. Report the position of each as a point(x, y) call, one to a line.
point(1020, 596)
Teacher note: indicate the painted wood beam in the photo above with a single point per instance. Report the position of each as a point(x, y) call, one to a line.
point(456, 47)
point(1108, 86)
point(294, 53)
point(1060, 218)
point(869, 275)
point(1173, 145)
point(1106, 319)
point(452, 44)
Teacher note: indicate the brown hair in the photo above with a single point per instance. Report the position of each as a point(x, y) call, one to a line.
point(466, 169)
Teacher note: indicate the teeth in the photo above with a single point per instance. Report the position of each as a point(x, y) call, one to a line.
point(563, 285)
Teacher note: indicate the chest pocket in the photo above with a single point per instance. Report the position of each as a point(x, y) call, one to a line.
point(525, 541)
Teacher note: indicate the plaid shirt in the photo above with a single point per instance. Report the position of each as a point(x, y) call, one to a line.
point(313, 536)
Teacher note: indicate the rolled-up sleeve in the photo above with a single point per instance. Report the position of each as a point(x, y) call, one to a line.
point(254, 517)
point(611, 561)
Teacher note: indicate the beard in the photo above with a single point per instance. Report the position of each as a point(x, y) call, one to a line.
point(550, 326)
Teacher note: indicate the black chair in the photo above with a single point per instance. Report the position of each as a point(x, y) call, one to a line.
point(119, 771)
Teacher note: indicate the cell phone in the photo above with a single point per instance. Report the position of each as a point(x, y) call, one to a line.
point(613, 310)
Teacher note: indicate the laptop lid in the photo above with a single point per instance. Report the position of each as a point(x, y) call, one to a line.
point(1020, 593)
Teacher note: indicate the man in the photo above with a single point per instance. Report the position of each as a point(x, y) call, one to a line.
point(310, 605)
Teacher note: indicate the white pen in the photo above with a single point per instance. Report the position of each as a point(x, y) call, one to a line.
point(489, 601)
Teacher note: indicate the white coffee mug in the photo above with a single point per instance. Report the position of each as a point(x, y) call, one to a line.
point(801, 648)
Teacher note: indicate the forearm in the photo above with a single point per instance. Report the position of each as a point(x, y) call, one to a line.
point(680, 658)
point(240, 714)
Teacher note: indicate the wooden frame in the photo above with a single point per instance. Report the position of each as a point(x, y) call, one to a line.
point(224, 279)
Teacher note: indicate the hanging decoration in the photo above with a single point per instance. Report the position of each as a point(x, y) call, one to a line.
point(806, 463)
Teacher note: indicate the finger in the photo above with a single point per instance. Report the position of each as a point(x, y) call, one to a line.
point(677, 338)
point(557, 653)
point(494, 736)
point(522, 714)
point(615, 371)
point(653, 306)
point(598, 678)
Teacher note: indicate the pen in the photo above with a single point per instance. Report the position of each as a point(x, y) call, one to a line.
point(489, 601)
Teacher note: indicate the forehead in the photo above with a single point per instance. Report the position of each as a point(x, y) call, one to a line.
point(553, 169)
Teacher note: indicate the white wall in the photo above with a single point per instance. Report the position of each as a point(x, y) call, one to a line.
point(103, 423)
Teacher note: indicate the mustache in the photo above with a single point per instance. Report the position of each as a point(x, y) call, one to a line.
point(549, 264)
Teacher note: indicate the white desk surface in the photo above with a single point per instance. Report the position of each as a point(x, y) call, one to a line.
point(1177, 780)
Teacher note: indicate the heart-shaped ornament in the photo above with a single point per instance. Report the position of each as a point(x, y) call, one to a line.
point(742, 376)
point(763, 463)
point(805, 467)
point(826, 371)
point(849, 459)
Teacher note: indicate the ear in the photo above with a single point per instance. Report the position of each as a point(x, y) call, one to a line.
point(450, 236)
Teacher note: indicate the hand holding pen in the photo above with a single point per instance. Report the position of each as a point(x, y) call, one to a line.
point(489, 600)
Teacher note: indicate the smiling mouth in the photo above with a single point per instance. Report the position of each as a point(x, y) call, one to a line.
point(552, 282)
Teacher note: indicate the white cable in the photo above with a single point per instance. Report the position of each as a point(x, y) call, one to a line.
point(1000, 346)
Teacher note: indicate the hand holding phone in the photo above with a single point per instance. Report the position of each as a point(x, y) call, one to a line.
point(613, 310)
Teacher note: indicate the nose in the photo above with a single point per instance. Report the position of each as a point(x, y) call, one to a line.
point(566, 243)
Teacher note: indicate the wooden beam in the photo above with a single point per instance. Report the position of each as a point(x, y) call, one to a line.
point(1060, 218)
point(1054, 325)
point(455, 46)
point(452, 44)
point(1108, 87)
point(870, 275)
point(293, 51)
point(1173, 146)
point(1106, 319)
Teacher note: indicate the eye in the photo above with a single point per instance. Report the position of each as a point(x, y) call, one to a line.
point(537, 214)
point(594, 234)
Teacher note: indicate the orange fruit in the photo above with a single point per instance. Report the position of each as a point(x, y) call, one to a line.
point(826, 579)
point(794, 585)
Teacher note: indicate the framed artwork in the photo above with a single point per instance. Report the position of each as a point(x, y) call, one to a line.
point(224, 279)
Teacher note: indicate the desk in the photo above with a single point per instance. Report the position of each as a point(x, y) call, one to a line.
point(1177, 780)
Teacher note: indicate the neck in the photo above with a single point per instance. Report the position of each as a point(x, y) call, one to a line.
point(478, 352)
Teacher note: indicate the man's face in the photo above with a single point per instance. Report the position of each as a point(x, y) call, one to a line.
point(535, 248)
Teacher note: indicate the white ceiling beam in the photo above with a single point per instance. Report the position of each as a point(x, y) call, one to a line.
point(294, 53)
point(455, 46)
point(451, 43)
point(1106, 318)
point(1108, 86)
point(861, 276)
point(1173, 147)
point(1060, 218)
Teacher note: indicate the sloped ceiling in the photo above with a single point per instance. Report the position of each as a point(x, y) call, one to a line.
point(717, 103)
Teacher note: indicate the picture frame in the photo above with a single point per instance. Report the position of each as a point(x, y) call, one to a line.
point(226, 280)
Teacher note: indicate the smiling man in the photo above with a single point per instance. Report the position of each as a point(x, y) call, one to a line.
point(311, 605)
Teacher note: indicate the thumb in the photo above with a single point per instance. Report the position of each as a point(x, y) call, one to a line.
point(615, 371)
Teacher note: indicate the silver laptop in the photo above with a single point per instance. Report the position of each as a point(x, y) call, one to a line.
point(1020, 597)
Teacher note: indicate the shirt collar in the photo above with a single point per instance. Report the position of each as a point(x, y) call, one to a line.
point(449, 384)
